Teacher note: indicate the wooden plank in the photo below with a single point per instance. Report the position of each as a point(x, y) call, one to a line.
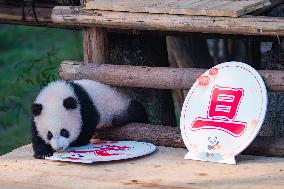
point(171, 137)
point(12, 14)
point(250, 25)
point(151, 77)
point(274, 3)
point(166, 169)
point(230, 8)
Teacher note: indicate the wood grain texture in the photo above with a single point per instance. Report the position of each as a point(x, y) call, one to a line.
point(11, 13)
point(151, 77)
point(171, 137)
point(249, 25)
point(95, 45)
point(228, 8)
point(166, 169)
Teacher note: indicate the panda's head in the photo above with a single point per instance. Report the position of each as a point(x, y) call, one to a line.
point(56, 114)
point(213, 140)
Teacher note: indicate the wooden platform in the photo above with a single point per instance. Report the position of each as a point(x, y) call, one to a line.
point(249, 25)
point(164, 169)
point(230, 8)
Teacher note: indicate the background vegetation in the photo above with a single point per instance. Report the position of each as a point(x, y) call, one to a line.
point(29, 58)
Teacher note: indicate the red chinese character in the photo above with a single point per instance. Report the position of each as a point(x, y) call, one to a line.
point(225, 102)
point(222, 111)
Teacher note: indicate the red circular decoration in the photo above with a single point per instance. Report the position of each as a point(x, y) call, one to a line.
point(213, 71)
point(203, 80)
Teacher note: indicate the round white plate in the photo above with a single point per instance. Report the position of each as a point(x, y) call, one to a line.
point(104, 151)
point(223, 112)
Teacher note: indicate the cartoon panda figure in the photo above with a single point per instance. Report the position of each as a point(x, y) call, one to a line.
point(213, 145)
point(67, 113)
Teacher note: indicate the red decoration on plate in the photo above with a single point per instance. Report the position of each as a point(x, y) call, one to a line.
point(203, 81)
point(104, 151)
point(213, 71)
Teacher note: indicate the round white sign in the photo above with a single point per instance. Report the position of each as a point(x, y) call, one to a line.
point(223, 112)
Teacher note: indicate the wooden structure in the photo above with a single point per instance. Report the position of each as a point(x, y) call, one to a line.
point(246, 25)
point(166, 167)
point(182, 7)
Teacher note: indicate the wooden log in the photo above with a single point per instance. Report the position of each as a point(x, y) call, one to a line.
point(171, 137)
point(248, 25)
point(11, 13)
point(151, 77)
point(156, 134)
point(95, 45)
point(269, 146)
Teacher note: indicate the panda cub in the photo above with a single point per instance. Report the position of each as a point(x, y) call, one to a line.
point(67, 113)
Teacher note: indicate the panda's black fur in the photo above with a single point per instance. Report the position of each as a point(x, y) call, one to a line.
point(90, 119)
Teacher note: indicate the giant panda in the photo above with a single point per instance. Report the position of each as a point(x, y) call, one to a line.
point(67, 113)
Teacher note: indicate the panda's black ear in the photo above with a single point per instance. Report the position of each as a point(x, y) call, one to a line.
point(70, 103)
point(36, 109)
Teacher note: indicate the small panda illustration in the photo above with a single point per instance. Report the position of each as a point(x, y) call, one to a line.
point(66, 113)
point(212, 146)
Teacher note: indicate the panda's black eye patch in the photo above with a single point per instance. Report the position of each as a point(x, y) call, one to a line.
point(64, 133)
point(70, 103)
point(49, 135)
point(36, 109)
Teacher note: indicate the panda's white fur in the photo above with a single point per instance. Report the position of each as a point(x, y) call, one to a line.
point(107, 100)
point(54, 116)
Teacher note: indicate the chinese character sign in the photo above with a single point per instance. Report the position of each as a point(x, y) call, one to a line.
point(224, 103)
point(223, 112)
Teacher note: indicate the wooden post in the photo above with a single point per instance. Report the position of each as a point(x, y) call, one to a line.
point(95, 45)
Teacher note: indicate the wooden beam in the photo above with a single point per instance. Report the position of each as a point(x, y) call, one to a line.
point(11, 13)
point(249, 25)
point(151, 77)
point(171, 137)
